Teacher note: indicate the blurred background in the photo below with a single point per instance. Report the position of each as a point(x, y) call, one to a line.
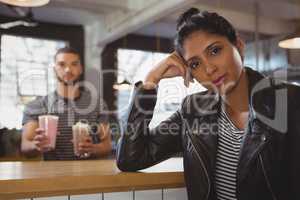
point(120, 41)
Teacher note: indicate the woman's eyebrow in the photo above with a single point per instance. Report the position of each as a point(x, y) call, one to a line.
point(211, 45)
point(206, 49)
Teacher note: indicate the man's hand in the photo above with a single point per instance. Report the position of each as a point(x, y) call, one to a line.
point(86, 147)
point(41, 141)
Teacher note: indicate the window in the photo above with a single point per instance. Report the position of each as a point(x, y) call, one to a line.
point(270, 56)
point(25, 73)
point(133, 65)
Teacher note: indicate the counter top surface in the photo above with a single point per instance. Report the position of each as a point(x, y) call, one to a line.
point(53, 178)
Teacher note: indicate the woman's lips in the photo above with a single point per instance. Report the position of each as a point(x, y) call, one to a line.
point(219, 80)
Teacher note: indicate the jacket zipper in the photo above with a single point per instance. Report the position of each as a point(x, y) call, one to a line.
point(203, 166)
point(266, 177)
point(257, 151)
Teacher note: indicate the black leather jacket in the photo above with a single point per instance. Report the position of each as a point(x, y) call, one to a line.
point(269, 161)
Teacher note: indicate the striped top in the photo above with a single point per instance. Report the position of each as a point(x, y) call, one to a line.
point(85, 108)
point(229, 144)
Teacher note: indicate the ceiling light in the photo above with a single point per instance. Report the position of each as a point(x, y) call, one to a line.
point(26, 3)
point(291, 42)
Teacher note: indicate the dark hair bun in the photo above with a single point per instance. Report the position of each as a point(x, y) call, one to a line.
point(210, 22)
point(184, 17)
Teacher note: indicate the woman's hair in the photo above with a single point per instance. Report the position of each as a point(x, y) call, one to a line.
point(195, 20)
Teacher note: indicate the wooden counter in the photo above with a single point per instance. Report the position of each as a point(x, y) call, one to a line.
point(54, 178)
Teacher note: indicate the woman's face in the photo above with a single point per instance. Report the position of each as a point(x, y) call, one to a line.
point(213, 60)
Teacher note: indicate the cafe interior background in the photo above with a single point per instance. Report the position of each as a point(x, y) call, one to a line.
point(120, 41)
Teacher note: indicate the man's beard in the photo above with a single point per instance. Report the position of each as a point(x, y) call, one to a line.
point(68, 83)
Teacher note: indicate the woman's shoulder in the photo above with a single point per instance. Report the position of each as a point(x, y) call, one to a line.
point(278, 90)
point(292, 88)
point(293, 92)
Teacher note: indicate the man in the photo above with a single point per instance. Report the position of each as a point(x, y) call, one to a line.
point(71, 104)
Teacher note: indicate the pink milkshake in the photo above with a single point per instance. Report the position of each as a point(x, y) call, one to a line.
point(49, 124)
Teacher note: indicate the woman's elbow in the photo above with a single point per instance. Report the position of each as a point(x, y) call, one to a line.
point(124, 165)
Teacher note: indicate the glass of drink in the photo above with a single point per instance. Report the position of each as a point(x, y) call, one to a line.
point(49, 124)
point(80, 132)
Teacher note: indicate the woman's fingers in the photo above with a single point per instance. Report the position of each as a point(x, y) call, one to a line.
point(188, 74)
point(178, 67)
point(178, 62)
point(188, 77)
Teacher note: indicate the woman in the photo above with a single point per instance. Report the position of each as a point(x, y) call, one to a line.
point(239, 138)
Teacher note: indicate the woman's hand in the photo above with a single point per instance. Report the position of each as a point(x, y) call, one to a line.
point(170, 67)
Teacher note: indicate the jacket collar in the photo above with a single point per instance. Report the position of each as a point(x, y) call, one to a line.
point(261, 98)
point(209, 103)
